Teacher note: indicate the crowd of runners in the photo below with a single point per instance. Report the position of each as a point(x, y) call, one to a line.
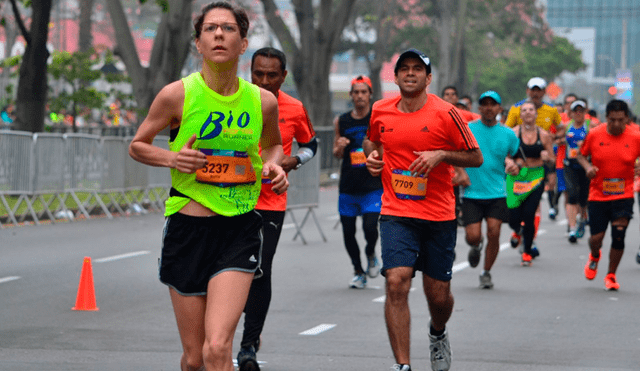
point(414, 167)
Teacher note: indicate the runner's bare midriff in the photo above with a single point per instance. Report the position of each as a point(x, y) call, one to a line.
point(195, 209)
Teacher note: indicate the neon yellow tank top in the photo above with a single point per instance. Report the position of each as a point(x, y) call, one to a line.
point(228, 131)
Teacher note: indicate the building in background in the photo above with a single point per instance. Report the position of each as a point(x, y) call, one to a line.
point(607, 32)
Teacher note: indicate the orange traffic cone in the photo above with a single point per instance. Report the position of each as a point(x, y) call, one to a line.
point(86, 299)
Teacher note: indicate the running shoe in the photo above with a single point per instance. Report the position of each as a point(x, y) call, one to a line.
point(610, 282)
point(552, 213)
point(515, 239)
point(359, 281)
point(247, 359)
point(474, 254)
point(591, 269)
point(638, 257)
point(485, 281)
point(373, 267)
point(573, 238)
point(398, 367)
point(534, 251)
point(526, 259)
point(581, 229)
point(440, 352)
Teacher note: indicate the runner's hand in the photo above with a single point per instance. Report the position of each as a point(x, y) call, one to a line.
point(188, 160)
point(340, 144)
point(425, 162)
point(591, 172)
point(374, 163)
point(511, 167)
point(279, 182)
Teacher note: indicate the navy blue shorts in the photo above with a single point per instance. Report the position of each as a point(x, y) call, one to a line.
point(601, 213)
point(425, 245)
point(195, 249)
point(560, 185)
point(355, 205)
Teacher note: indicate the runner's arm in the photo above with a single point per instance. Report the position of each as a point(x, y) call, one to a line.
point(460, 177)
point(373, 151)
point(427, 160)
point(588, 167)
point(511, 166)
point(166, 110)
point(547, 142)
point(271, 143)
point(339, 142)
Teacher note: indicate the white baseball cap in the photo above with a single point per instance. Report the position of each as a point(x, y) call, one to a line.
point(536, 81)
point(578, 103)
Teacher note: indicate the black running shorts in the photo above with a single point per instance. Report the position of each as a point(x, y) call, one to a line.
point(474, 210)
point(601, 213)
point(195, 249)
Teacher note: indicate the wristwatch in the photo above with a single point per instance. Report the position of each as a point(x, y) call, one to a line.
point(299, 162)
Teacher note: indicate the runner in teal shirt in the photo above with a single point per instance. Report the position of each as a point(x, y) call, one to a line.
point(485, 193)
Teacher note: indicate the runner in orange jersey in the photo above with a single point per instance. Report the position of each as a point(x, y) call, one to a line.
point(613, 148)
point(414, 140)
point(268, 71)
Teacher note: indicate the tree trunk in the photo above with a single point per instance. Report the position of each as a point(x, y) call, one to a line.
point(444, 26)
point(311, 57)
point(10, 32)
point(458, 56)
point(32, 86)
point(85, 40)
point(170, 49)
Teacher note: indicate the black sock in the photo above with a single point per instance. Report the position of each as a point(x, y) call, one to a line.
point(434, 332)
point(551, 196)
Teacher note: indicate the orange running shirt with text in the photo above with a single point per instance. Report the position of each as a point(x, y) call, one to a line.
point(436, 126)
point(294, 122)
point(615, 158)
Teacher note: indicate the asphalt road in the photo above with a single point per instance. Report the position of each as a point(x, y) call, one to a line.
point(543, 317)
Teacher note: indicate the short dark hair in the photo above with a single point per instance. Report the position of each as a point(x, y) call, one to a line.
point(569, 95)
point(270, 52)
point(593, 113)
point(617, 105)
point(447, 88)
point(239, 13)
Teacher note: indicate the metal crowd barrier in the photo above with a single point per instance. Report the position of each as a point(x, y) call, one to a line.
point(50, 169)
point(97, 175)
point(304, 193)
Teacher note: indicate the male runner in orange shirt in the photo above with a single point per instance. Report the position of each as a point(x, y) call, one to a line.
point(268, 71)
point(413, 142)
point(613, 148)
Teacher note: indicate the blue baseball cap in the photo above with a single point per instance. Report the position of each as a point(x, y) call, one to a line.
point(416, 54)
point(491, 94)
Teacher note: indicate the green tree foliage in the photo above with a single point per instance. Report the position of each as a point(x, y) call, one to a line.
point(77, 72)
point(505, 42)
point(508, 67)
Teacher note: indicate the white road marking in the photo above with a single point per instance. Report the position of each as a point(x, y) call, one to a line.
point(235, 362)
point(288, 226)
point(121, 256)
point(9, 279)
point(318, 329)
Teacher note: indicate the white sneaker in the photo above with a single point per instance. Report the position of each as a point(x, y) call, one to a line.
point(373, 267)
point(398, 367)
point(440, 352)
point(359, 281)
